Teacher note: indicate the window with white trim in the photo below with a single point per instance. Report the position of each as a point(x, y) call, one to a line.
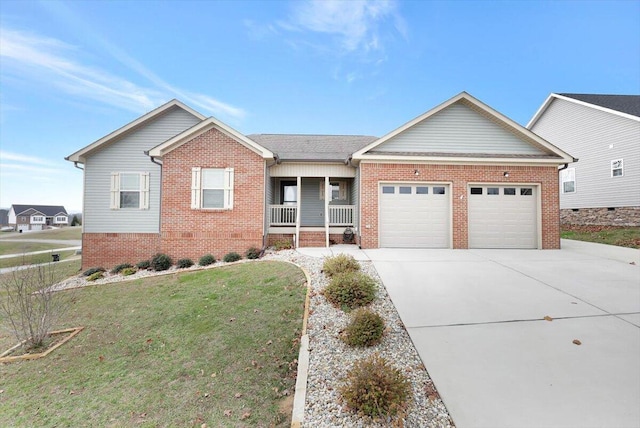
point(37, 219)
point(568, 180)
point(616, 168)
point(338, 190)
point(130, 190)
point(211, 188)
point(61, 219)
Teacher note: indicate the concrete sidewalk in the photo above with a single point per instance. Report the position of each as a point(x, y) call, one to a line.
point(477, 319)
point(56, 250)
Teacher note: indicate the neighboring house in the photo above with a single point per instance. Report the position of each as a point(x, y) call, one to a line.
point(461, 175)
point(603, 131)
point(4, 217)
point(37, 217)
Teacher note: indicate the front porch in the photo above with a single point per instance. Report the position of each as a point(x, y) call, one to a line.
point(312, 211)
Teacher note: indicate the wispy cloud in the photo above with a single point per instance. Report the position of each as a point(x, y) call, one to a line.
point(356, 25)
point(54, 62)
point(8, 156)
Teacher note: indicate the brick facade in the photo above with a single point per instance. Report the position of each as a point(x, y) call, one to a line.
point(371, 174)
point(191, 233)
point(618, 216)
point(110, 249)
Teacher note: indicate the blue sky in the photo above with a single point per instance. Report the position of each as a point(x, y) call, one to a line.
point(71, 72)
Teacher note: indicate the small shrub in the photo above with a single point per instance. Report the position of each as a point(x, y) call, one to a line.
point(375, 388)
point(128, 271)
point(350, 290)
point(252, 253)
point(340, 264)
point(283, 244)
point(161, 262)
point(365, 328)
point(145, 264)
point(206, 260)
point(231, 257)
point(120, 267)
point(95, 276)
point(184, 263)
point(93, 270)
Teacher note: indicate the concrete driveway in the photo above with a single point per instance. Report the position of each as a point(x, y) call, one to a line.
point(476, 318)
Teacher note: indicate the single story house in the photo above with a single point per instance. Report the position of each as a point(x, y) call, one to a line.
point(603, 131)
point(461, 175)
point(37, 217)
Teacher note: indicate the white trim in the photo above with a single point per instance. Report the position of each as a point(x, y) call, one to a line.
point(196, 173)
point(79, 156)
point(621, 168)
point(550, 98)
point(202, 127)
point(463, 96)
point(458, 161)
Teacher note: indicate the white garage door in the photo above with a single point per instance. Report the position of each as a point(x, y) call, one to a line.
point(414, 215)
point(502, 216)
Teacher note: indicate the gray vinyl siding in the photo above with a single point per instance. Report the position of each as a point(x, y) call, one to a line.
point(457, 129)
point(588, 134)
point(127, 155)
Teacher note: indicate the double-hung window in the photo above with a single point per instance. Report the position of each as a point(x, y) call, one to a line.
point(338, 190)
point(211, 188)
point(130, 190)
point(568, 180)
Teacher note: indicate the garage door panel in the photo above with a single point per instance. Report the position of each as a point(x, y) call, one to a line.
point(506, 219)
point(419, 219)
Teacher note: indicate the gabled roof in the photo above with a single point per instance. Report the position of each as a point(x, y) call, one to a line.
point(309, 148)
point(621, 105)
point(202, 127)
point(80, 155)
point(553, 155)
point(46, 210)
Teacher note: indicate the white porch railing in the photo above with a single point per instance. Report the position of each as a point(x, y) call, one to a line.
point(341, 215)
point(282, 215)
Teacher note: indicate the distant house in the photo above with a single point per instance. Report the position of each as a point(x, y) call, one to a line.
point(461, 175)
point(603, 131)
point(37, 217)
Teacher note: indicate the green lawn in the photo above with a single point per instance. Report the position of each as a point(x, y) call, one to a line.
point(215, 347)
point(74, 232)
point(611, 235)
point(34, 259)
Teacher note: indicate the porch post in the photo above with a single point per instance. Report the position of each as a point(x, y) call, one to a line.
point(298, 200)
point(327, 195)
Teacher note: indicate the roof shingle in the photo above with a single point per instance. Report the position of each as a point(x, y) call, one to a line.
point(312, 147)
point(629, 104)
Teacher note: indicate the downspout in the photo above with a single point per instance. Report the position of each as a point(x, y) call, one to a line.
point(153, 160)
point(76, 165)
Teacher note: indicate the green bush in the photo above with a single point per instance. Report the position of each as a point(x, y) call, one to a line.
point(375, 388)
point(120, 267)
point(95, 276)
point(365, 328)
point(145, 264)
point(340, 264)
point(93, 270)
point(231, 257)
point(350, 290)
point(283, 244)
point(252, 253)
point(128, 271)
point(207, 260)
point(184, 263)
point(161, 262)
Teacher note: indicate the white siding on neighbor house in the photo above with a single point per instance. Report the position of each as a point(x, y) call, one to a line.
point(596, 138)
point(458, 129)
point(308, 169)
point(127, 155)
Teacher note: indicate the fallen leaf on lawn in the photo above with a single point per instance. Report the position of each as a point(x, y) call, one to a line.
point(1, 391)
point(101, 358)
point(270, 342)
point(213, 374)
point(227, 412)
point(548, 318)
point(254, 363)
point(238, 395)
point(149, 340)
point(245, 415)
point(203, 426)
point(72, 392)
point(232, 319)
point(577, 342)
point(255, 311)
point(206, 394)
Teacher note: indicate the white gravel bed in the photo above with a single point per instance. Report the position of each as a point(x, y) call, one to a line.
point(331, 358)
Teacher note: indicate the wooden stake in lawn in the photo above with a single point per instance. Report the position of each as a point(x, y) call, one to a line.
point(29, 307)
